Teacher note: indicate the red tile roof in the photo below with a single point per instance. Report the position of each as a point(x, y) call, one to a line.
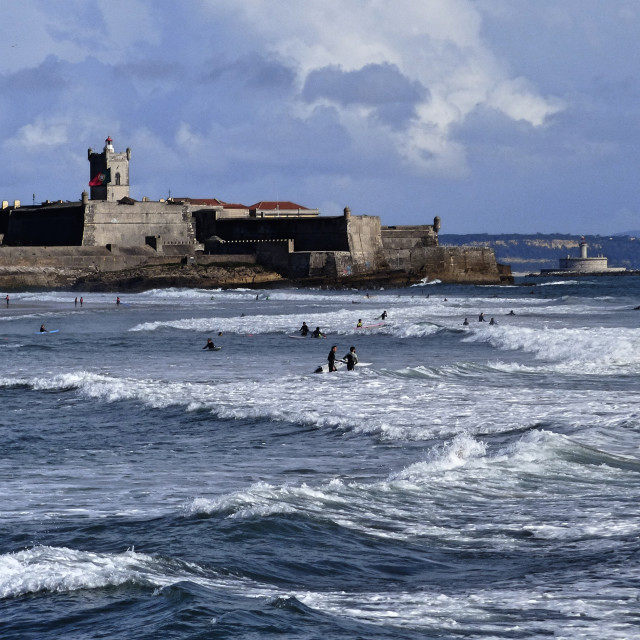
point(273, 205)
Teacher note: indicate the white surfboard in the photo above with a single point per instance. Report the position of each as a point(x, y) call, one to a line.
point(340, 364)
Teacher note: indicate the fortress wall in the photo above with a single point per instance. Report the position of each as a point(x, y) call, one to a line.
point(408, 237)
point(92, 258)
point(320, 264)
point(45, 226)
point(365, 244)
point(458, 264)
point(128, 225)
point(316, 234)
point(242, 258)
point(205, 223)
point(584, 265)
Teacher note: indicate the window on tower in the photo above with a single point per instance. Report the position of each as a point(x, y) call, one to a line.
point(117, 178)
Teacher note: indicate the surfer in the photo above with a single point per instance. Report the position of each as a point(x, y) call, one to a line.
point(466, 322)
point(512, 313)
point(332, 358)
point(118, 301)
point(351, 359)
point(493, 321)
point(481, 317)
point(209, 344)
point(317, 333)
point(359, 325)
point(43, 329)
point(7, 299)
point(304, 330)
point(383, 316)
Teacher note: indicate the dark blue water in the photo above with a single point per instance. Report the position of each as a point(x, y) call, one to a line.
point(477, 482)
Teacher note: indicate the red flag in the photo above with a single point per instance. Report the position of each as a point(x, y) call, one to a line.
point(101, 178)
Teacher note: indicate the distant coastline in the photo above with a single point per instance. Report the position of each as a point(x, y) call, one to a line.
point(529, 253)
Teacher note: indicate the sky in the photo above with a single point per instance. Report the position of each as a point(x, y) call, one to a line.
point(499, 116)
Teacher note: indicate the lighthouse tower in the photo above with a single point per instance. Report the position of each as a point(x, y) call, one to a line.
point(109, 173)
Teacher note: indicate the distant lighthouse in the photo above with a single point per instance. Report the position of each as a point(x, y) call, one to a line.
point(583, 248)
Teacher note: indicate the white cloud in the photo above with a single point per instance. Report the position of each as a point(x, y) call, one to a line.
point(41, 133)
point(435, 43)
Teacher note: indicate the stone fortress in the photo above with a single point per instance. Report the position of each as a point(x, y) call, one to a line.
point(583, 265)
point(109, 231)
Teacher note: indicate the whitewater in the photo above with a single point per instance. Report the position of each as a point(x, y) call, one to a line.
point(476, 481)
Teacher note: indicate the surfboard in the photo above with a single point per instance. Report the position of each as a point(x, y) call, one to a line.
point(340, 365)
point(298, 337)
point(40, 333)
point(214, 349)
point(371, 326)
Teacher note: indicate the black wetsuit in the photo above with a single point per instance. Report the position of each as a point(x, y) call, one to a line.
point(209, 345)
point(304, 330)
point(352, 360)
point(332, 360)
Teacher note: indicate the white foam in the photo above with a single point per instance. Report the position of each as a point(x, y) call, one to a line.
point(584, 350)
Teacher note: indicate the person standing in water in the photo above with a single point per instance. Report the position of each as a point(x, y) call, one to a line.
point(351, 359)
point(304, 330)
point(332, 358)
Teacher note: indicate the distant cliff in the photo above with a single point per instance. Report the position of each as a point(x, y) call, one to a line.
point(531, 253)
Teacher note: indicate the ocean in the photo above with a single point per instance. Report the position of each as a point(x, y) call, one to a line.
point(477, 481)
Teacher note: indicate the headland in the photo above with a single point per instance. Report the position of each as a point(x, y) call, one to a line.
point(109, 241)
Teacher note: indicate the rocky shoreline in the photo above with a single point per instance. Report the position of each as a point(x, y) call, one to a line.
point(212, 276)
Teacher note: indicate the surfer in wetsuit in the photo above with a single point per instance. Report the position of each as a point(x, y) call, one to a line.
point(209, 344)
point(43, 329)
point(317, 333)
point(351, 359)
point(359, 325)
point(332, 358)
point(493, 321)
point(383, 316)
point(304, 330)
point(466, 322)
point(481, 317)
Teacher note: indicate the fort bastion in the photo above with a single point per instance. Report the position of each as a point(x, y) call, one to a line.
point(56, 243)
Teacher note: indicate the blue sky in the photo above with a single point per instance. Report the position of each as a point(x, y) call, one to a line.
point(515, 116)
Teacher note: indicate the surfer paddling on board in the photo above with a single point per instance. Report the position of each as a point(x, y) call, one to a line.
point(332, 358)
point(43, 329)
point(209, 344)
point(359, 325)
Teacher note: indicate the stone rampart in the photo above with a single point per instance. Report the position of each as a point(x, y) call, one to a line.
point(56, 224)
point(365, 245)
point(130, 224)
point(459, 264)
